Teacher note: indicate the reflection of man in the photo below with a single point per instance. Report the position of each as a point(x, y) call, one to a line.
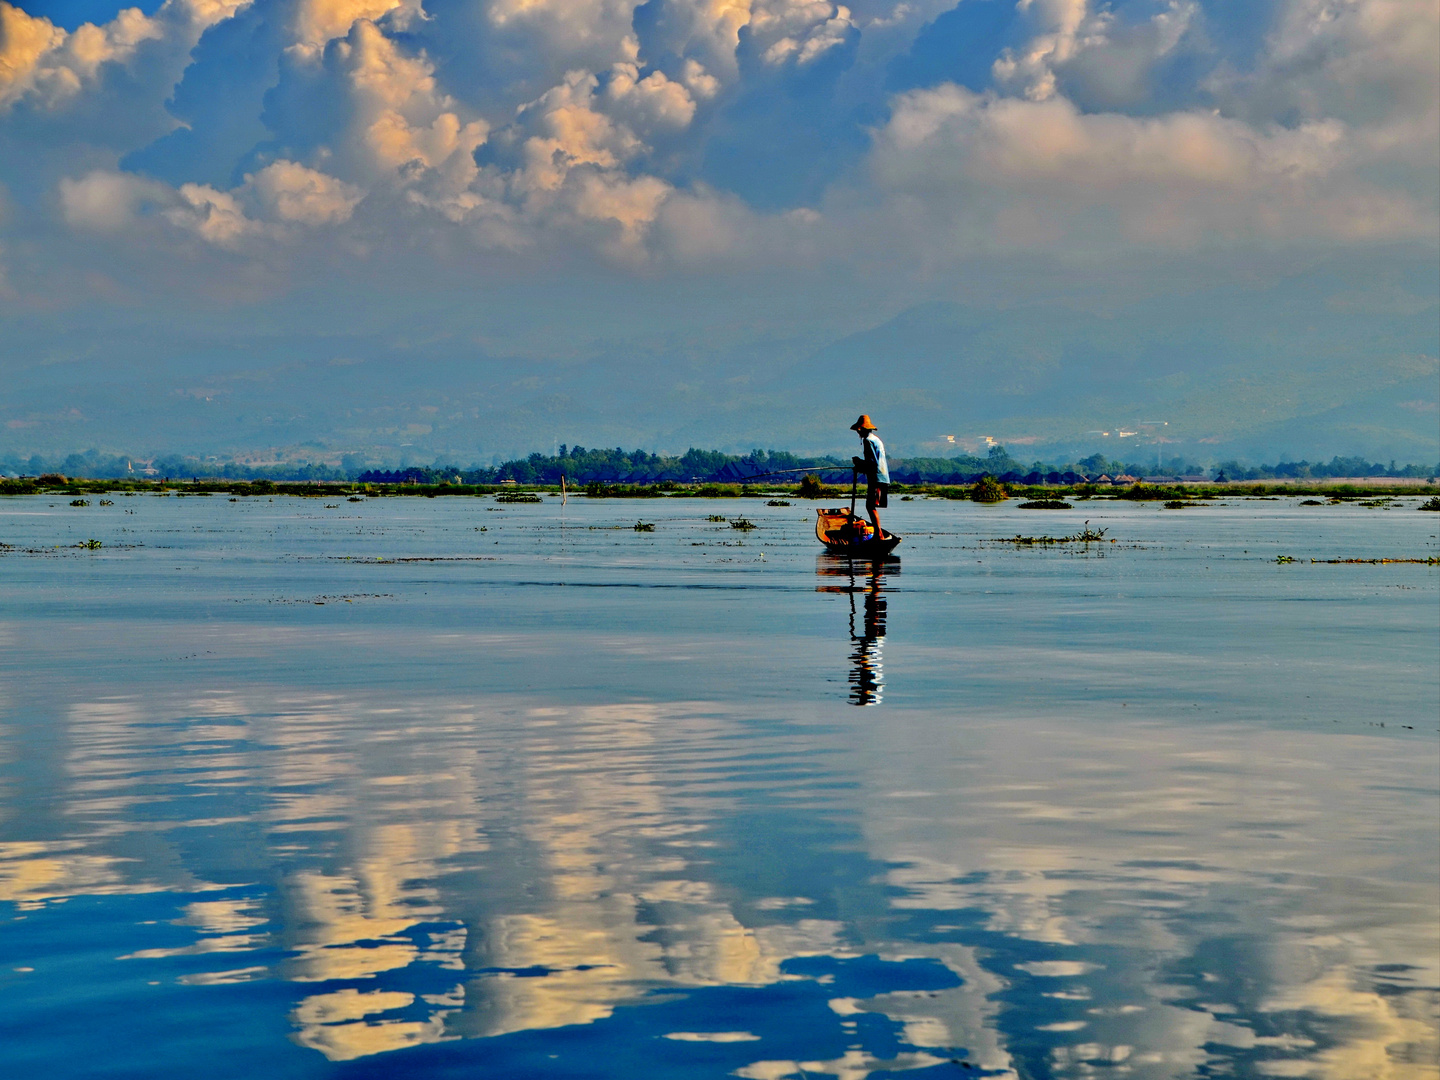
point(867, 676)
point(877, 472)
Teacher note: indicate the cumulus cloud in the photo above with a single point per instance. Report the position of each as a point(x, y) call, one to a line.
point(44, 63)
point(282, 194)
point(291, 192)
point(652, 102)
point(24, 39)
point(1091, 50)
point(214, 216)
point(801, 30)
point(612, 127)
point(1172, 178)
point(319, 21)
point(109, 201)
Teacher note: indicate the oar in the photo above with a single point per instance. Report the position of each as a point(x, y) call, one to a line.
point(854, 480)
point(788, 472)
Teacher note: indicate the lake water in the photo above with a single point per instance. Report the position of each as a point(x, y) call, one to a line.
point(441, 788)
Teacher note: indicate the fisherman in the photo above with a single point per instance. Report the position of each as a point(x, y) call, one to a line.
point(877, 473)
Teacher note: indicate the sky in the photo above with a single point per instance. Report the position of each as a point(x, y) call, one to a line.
point(467, 228)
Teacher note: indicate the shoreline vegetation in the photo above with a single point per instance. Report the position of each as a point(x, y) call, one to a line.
point(635, 469)
point(1377, 492)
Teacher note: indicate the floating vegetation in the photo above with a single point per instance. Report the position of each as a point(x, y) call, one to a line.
point(107, 502)
point(518, 497)
point(601, 489)
point(90, 544)
point(352, 498)
point(810, 487)
point(644, 526)
point(988, 490)
point(1282, 559)
point(1432, 560)
point(1086, 535)
point(716, 517)
point(1181, 504)
point(1045, 504)
point(79, 502)
point(742, 524)
point(784, 502)
point(1433, 503)
point(1317, 502)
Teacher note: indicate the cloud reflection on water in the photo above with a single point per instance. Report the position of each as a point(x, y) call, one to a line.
point(1151, 897)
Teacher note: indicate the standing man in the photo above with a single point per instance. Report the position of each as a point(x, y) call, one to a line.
point(877, 473)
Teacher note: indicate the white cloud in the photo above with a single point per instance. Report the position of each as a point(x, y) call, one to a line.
point(105, 201)
point(282, 194)
point(561, 34)
point(568, 131)
point(43, 63)
point(1315, 140)
point(1370, 63)
point(215, 216)
point(291, 192)
point(1177, 178)
point(319, 21)
point(651, 103)
point(24, 39)
point(798, 29)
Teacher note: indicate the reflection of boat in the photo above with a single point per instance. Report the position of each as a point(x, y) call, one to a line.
point(867, 667)
point(843, 533)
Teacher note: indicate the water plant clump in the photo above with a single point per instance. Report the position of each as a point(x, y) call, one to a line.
point(1429, 560)
point(1317, 502)
point(518, 497)
point(91, 544)
point(1181, 504)
point(79, 502)
point(988, 490)
point(742, 524)
point(1046, 504)
point(716, 517)
point(810, 487)
point(1087, 535)
point(644, 526)
point(1433, 503)
point(778, 502)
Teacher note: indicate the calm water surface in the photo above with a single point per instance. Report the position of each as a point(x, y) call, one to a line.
point(434, 788)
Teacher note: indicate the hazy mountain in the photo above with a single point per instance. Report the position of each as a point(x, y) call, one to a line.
point(1300, 369)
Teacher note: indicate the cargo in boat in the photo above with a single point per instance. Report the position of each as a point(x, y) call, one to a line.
point(843, 533)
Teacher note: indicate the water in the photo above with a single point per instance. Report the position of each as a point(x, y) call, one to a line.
point(434, 788)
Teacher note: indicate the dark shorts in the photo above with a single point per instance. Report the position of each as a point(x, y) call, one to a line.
point(878, 496)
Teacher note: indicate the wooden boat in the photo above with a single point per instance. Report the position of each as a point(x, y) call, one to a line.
point(843, 533)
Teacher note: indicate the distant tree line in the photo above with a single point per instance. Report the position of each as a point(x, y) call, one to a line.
point(581, 465)
point(1336, 466)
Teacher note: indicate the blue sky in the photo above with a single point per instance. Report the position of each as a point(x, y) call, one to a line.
point(645, 181)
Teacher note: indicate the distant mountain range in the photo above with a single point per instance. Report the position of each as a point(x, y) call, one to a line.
point(1293, 370)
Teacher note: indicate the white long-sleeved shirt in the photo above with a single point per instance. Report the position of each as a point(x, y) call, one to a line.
point(875, 458)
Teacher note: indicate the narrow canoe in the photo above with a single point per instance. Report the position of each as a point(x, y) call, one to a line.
point(843, 533)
